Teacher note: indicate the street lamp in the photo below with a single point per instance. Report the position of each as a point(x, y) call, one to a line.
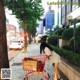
point(74, 21)
point(57, 29)
point(52, 29)
point(60, 26)
point(54, 26)
point(48, 31)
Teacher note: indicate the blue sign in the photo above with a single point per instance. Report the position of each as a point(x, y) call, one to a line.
point(49, 20)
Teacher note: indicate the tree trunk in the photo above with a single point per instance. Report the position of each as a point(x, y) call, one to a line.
point(30, 38)
point(4, 63)
point(25, 37)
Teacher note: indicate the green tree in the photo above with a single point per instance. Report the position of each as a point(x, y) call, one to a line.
point(77, 39)
point(67, 34)
point(53, 40)
point(26, 11)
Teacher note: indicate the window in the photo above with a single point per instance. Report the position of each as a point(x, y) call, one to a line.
point(74, 4)
point(69, 6)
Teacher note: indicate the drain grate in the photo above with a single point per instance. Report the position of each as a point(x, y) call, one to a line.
point(16, 64)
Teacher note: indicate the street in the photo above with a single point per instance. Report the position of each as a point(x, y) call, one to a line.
point(17, 66)
point(12, 54)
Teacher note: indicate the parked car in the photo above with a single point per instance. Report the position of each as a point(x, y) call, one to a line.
point(22, 43)
point(16, 44)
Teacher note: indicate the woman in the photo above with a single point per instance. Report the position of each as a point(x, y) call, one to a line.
point(44, 44)
point(54, 59)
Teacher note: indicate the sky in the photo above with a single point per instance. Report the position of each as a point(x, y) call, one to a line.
point(45, 5)
point(12, 18)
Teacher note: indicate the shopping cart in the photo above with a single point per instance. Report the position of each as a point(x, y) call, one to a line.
point(35, 65)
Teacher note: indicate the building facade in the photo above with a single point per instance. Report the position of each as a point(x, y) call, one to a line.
point(67, 9)
point(49, 20)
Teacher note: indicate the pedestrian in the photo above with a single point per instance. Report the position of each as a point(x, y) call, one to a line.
point(54, 60)
point(44, 44)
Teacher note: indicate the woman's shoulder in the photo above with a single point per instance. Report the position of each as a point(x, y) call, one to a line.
point(54, 53)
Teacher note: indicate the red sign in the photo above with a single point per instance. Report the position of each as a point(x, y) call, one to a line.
point(11, 27)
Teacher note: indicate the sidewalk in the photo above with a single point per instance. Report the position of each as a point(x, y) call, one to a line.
point(16, 64)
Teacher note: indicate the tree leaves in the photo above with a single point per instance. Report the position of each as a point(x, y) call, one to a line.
point(31, 10)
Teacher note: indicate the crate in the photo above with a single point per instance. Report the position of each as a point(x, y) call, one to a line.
point(30, 65)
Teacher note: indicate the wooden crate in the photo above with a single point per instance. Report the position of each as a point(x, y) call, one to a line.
point(30, 65)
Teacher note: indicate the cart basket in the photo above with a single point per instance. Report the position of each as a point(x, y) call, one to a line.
point(30, 64)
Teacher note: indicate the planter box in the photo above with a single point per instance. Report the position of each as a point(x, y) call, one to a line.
point(60, 43)
point(71, 72)
point(63, 43)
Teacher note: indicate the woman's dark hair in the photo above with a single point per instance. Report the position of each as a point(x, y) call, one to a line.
point(43, 39)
